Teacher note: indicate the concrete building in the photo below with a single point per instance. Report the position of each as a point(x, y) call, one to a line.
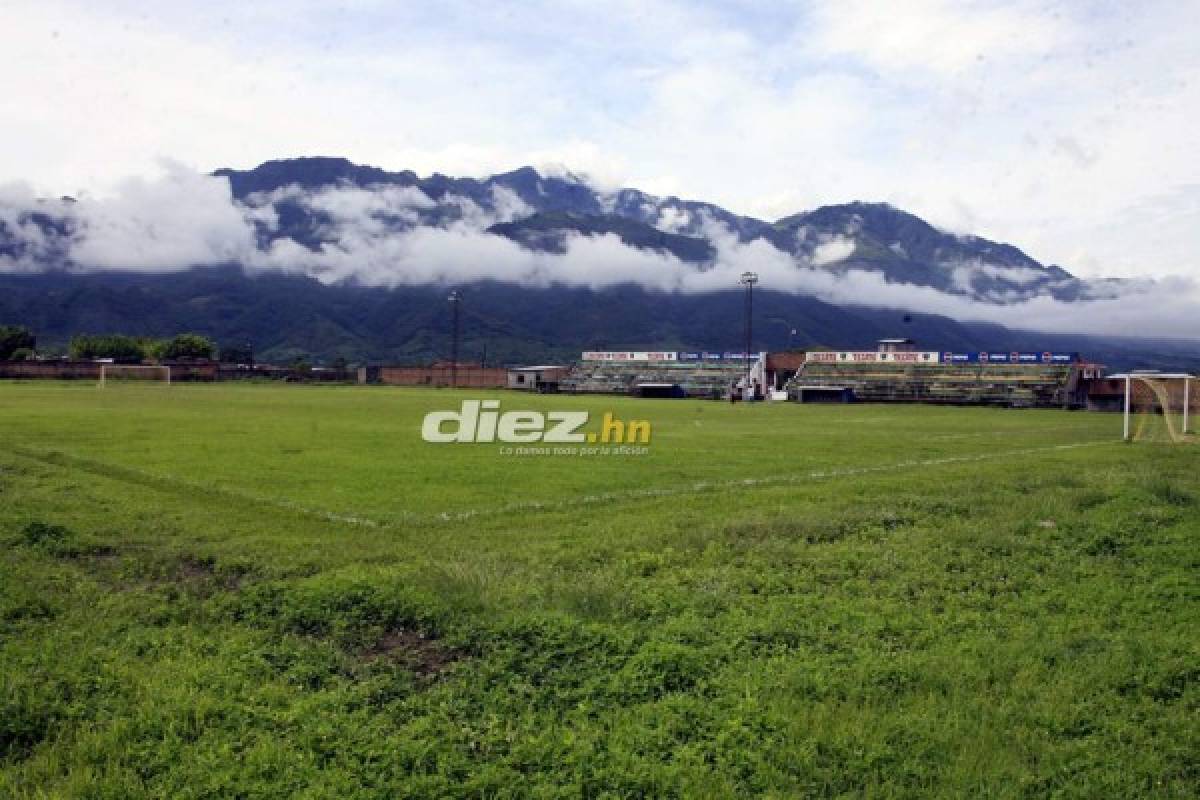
point(543, 378)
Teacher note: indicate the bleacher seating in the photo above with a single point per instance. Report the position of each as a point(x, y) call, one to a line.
point(696, 379)
point(976, 384)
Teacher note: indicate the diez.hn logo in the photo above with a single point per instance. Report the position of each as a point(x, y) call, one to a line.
point(481, 421)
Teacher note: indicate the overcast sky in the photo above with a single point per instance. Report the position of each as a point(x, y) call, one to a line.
point(1071, 129)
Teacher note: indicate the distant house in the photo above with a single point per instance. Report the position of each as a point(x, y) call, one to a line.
point(897, 346)
point(543, 378)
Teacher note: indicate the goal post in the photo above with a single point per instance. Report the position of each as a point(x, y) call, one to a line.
point(134, 372)
point(1161, 403)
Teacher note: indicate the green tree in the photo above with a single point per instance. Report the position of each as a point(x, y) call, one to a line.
point(188, 345)
point(120, 348)
point(14, 338)
point(153, 349)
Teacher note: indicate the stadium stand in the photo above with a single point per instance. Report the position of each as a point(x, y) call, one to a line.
point(895, 373)
point(1012, 385)
point(692, 379)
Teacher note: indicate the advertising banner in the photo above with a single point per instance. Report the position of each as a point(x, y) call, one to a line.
point(947, 357)
point(629, 355)
point(871, 357)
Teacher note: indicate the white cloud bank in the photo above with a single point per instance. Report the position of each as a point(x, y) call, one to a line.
point(1069, 127)
point(374, 237)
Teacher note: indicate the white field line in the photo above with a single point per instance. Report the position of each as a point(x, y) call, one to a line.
point(996, 434)
point(181, 485)
point(744, 483)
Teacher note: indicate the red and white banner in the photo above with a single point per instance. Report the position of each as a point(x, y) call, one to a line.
point(872, 357)
point(630, 355)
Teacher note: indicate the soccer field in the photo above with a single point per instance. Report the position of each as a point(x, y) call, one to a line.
point(260, 591)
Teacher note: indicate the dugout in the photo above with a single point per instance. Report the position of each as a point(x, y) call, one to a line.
point(659, 390)
point(823, 394)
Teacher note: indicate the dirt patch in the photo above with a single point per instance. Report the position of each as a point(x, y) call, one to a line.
point(195, 569)
point(420, 654)
point(189, 574)
point(203, 573)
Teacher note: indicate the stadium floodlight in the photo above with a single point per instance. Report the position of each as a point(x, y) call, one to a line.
point(1169, 392)
point(748, 280)
point(138, 372)
point(455, 299)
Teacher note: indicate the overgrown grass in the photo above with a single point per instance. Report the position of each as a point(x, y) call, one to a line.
point(900, 601)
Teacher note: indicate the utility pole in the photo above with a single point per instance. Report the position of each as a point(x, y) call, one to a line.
point(748, 280)
point(1187, 400)
point(1128, 399)
point(455, 299)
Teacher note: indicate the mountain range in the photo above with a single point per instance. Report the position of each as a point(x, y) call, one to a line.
point(351, 261)
point(549, 208)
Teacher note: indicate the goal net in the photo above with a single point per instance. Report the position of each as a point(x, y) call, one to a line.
point(1161, 407)
point(125, 373)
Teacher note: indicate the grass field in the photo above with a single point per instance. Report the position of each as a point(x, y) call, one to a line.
point(276, 591)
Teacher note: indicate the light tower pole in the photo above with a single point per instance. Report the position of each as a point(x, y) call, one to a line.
point(455, 299)
point(1187, 400)
point(748, 280)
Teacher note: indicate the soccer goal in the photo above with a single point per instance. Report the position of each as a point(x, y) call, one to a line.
point(110, 373)
point(1159, 406)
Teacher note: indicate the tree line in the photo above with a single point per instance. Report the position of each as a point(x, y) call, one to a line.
point(18, 343)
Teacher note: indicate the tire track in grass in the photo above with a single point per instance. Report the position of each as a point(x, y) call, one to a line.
point(181, 486)
point(175, 485)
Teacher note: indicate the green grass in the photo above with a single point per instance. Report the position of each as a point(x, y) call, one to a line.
point(262, 591)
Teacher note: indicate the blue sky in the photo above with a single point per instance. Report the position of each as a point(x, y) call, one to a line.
point(1069, 129)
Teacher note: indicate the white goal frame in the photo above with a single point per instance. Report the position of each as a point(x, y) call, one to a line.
point(1149, 375)
point(104, 368)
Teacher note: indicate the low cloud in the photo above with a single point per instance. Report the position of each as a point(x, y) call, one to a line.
point(392, 236)
point(180, 220)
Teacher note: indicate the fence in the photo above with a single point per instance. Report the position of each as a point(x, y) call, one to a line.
point(467, 377)
point(180, 371)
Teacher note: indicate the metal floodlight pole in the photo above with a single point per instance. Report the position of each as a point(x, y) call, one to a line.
point(748, 280)
point(1187, 400)
point(1128, 382)
point(455, 299)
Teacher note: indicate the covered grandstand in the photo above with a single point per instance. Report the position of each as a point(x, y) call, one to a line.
point(897, 372)
point(1011, 379)
point(663, 373)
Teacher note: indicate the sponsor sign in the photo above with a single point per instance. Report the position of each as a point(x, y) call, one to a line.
point(629, 355)
point(909, 358)
point(871, 357)
point(717, 356)
point(988, 357)
point(947, 357)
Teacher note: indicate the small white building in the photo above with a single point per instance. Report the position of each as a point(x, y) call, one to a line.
point(897, 346)
point(543, 378)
